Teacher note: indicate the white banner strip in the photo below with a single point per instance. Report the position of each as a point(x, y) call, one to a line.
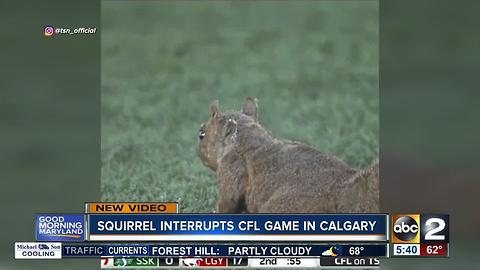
point(215, 237)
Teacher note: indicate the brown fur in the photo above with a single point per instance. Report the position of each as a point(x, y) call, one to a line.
point(257, 173)
point(361, 193)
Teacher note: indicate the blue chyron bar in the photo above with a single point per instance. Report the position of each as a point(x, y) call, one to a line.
point(241, 227)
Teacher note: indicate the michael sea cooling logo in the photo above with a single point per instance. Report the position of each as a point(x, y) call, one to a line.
point(60, 227)
point(415, 228)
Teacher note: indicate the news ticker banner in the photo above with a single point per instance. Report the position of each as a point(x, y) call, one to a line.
point(240, 262)
point(57, 250)
point(238, 227)
point(71, 250)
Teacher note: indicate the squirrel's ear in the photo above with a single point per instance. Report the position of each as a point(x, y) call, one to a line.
point(250, 107)
point(214, 107)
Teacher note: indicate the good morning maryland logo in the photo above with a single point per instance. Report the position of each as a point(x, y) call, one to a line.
point(51, 227)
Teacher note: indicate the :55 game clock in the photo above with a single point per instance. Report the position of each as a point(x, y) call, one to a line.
point(420, 235)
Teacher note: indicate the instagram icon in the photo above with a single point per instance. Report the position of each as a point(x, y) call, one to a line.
point(48, 31)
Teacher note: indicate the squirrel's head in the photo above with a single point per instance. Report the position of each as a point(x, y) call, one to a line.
point(220, 131)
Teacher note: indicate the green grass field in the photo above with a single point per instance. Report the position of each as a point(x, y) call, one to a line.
point(312, 65)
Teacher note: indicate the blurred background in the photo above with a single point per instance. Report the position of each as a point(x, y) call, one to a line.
point(49, 120)
point(429, 128)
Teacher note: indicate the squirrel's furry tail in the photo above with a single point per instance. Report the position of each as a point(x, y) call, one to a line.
point(361, 193)
point(372, 175)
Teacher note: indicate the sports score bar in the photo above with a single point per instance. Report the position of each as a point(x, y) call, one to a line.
point(240, 262)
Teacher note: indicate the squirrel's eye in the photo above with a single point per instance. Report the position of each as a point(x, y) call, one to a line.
point(201, 133)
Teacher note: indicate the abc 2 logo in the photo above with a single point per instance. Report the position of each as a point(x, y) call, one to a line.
point(419, 228)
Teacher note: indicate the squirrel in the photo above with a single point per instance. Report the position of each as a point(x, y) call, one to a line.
point(257, 173)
